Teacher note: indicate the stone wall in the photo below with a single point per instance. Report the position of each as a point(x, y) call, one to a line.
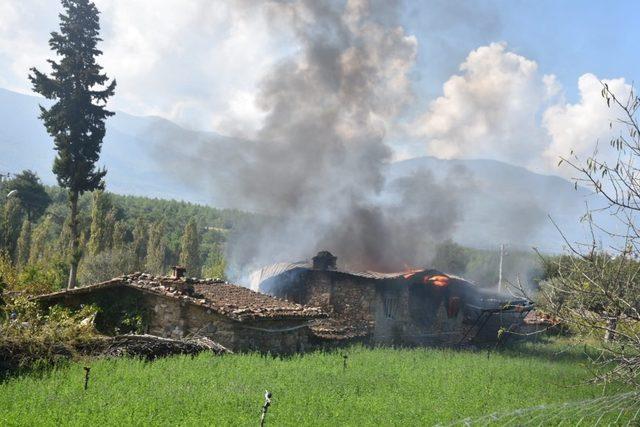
point(173, 318)
point(412, 315)
point(399, 315)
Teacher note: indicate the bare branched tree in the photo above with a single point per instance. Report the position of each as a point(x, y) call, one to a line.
point(595, 289)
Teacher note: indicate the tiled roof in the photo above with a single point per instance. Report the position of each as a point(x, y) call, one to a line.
point(236, 302)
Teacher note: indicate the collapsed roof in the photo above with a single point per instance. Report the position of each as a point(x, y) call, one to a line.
point(273, 270)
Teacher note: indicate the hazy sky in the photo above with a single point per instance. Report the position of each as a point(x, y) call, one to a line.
point(513, 80)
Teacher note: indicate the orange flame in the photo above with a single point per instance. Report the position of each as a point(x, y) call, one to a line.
point(410, 273)
point(439, 280)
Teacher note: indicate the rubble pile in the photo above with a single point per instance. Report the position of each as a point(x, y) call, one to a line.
point(151, 347)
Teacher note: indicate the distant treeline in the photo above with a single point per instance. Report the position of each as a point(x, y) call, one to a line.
point(118, 233)
point(520, 268)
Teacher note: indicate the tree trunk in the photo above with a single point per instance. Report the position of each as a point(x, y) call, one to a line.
point(75, 239)
point(612, 325)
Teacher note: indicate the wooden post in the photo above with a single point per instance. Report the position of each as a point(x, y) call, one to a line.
point(86, 377)
point(265, 407)
point(344, 365)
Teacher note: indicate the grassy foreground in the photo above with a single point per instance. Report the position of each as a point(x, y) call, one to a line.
point(378, 387)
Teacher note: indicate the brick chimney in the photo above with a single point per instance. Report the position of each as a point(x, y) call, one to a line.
point(324, 260)
point(178, 272)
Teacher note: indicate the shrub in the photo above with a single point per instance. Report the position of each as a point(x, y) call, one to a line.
point(31, 337)
point(107, 265)
point(33, 279)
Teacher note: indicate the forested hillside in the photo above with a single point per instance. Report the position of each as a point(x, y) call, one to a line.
point(119, 233)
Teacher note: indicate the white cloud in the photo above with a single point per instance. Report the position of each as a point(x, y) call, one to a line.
point(490, 110)
point(185, 61)
point(501, 107)
point(578, 127)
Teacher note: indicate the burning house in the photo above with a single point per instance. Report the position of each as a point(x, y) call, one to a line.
point(175, 307)
point(419, 307)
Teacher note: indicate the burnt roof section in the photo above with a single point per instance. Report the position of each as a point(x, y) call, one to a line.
point(233, 301)
point(274, 270)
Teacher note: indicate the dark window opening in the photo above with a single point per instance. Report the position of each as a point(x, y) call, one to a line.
point(390, 307)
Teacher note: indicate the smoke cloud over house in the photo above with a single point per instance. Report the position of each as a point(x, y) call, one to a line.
point(316, 168)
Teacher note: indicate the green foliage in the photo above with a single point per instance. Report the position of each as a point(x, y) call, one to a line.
point(43, 278)
point(30, 337)
point(124, 249)
point(596, 295)
point(41, 241)
point(25, 320)
point(124, 314)
point(76, 121)
point(157, 249)
point(31, 193)
point(519, 266)
point(106, 265)
point(33, 279)
point(190, 249)
point(102, 223)
point(11, 223)
point(216, 266)
point(118, 228)
point(24, 243)
point(450, 258)
point(379, 387)
point(121, 235)
point(595, 278)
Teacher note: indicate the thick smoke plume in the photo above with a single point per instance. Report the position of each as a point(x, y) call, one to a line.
point(316, 170)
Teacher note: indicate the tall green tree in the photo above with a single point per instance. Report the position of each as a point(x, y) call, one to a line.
point(12, 216)
point(120, 234)
point(41, 240)
point(139, 244)
point(101, 227)
point(450, 258)
point(190, 249)
point(157, 248)
point(216, 265)
point(77, 120)
point(24, 243)
point(32, 194)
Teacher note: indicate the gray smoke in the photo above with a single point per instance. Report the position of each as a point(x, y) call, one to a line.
point(316, 170)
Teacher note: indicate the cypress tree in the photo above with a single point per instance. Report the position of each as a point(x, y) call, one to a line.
point(40, 240)
point(140, 236)
point(120, 234)
point(77, 120)
point(190, 249)
point(216, 265)
point(24, 243)
point(64, 238)
point(11, 223)
point(100, 233)
point(156, 249)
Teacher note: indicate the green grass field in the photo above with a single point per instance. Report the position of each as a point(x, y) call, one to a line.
point(378, 387)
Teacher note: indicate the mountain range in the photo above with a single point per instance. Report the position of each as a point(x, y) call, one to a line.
point(502, 203)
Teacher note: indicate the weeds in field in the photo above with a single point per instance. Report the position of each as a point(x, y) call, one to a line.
point(381, 386)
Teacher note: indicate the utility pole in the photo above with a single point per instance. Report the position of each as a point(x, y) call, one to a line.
point(500, 268)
